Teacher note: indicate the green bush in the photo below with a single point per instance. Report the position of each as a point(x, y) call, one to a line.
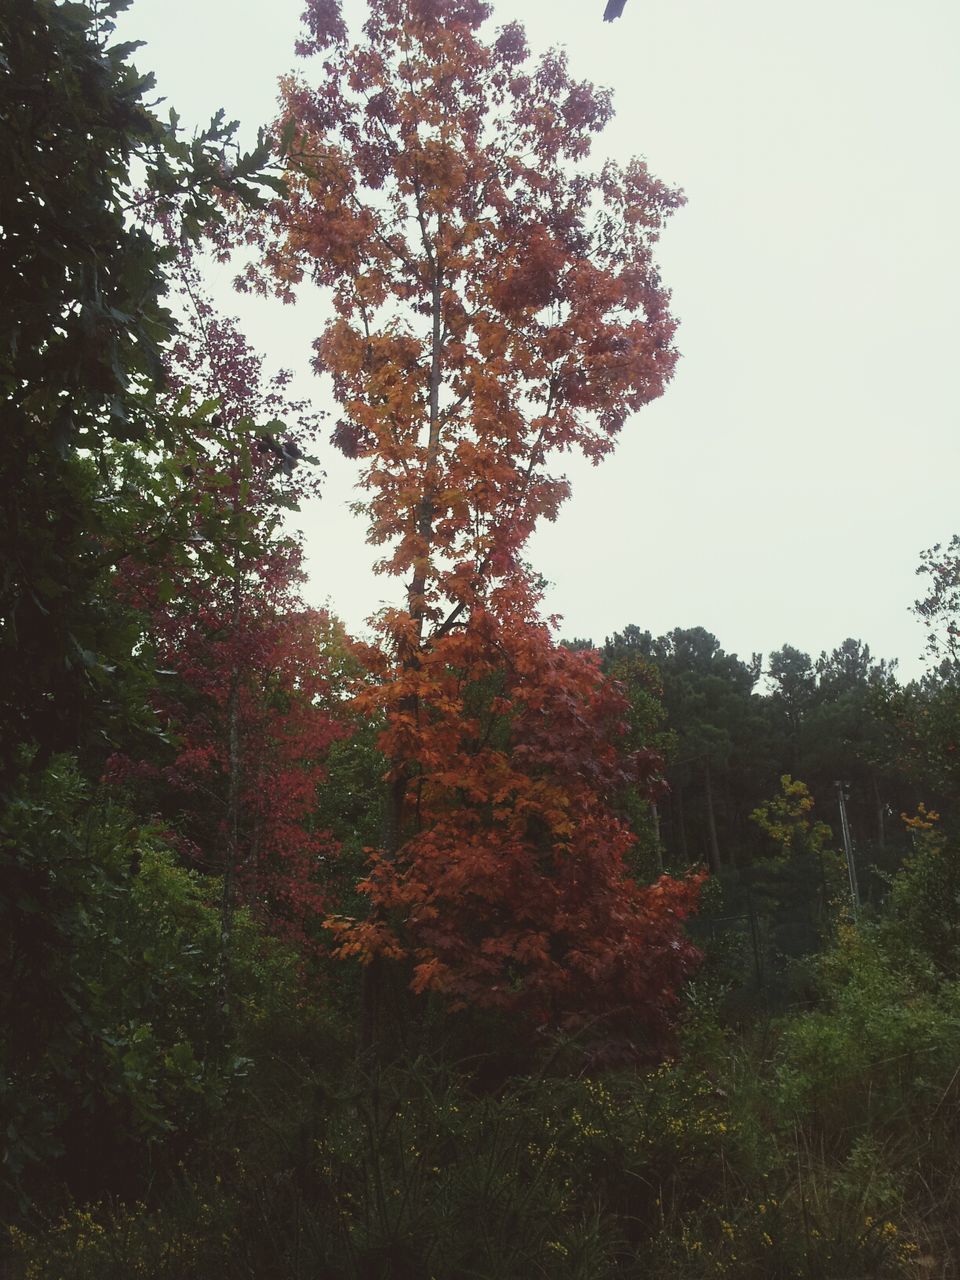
point(877, 1055)
point(923, 911)
point(113, 1050)
point(821, 1143)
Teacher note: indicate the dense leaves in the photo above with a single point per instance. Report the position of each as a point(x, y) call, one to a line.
point(109, 959)
point(243, 691)
point(569, 1087)
point(81, 326)
point(511, 889)
point(495, 303)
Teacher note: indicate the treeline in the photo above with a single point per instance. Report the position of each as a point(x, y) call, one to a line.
point(729, 730)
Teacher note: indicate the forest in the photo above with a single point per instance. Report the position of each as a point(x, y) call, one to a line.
point(452, 951)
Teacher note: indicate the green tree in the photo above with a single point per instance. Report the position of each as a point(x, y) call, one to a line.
point(844, 738)
point(925, 714)
point(646, 731)
point(710, 707)
point(796, 886)
point(82, 325)
point(794, 685)
point(108, 951)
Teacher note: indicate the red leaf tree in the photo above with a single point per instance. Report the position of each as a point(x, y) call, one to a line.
point(495, 305)
point(243, 691)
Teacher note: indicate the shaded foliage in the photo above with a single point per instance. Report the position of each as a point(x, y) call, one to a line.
point(181, 1092)
point(83, 322)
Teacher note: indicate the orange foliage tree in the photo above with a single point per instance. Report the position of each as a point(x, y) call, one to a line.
point(495, 304)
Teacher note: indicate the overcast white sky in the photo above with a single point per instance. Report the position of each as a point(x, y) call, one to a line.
point(808, 446)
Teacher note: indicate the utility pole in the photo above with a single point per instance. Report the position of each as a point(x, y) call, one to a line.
point(843, 789)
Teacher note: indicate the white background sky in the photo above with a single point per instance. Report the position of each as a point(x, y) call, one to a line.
point(807, 448)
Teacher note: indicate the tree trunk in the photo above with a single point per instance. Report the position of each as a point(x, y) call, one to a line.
point(714, 846)
point(881, 821)
point(374, 980)
point(658, 847)
point(682, 827)
point(227, 901)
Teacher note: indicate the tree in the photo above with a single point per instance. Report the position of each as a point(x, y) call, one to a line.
point(707, 698)
point(925, 714)
point(794, 683)
point(82, 324)
point(850, 666)
point(795, 890)
point(495, 303)
point(843, 737)
point(939, 608)
point(642, 687)
point(244, 696)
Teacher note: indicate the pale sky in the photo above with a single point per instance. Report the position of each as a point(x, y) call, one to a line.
point(807, 448)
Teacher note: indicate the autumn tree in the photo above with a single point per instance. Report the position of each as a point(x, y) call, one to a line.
point(495, 304)
point(243, 696)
